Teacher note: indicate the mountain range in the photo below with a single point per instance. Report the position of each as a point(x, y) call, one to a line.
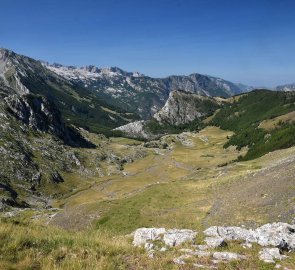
point(138, 93)
point(106, 152)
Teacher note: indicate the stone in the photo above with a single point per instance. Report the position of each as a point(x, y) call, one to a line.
point(269, 254)
point(186, 250)
point(148, 246)
point(176, 237)
point(214, 242)
point(231, 233)
point(201, 247)
point(276, 234)
point(201, 253)
point(227, 256)
point(151, 254)
point(143, 235)
point(246, 245)
point(201, 266)
point(180, 259)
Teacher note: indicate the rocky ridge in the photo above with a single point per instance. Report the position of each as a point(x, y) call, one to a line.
point(180, 109)
point(21, 75)
point(183, 107)
point(137, 92)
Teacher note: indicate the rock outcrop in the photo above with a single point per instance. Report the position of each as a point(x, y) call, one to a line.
point(171, 238)
point(135, 130)
point(279, 234)
point(184, 107)
point(275, 238)
point(42, 115)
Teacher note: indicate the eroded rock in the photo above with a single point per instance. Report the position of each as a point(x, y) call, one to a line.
point(269, 254)
point(214, 242)
point(143, 235)
point(176, 237)
point(228, 256)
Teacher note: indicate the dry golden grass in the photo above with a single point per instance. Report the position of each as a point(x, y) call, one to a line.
point(180, 187)
point(270, 124)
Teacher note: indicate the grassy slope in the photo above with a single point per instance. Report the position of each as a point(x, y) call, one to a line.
point(178, 189)
point(244, 115)
point(25, 245)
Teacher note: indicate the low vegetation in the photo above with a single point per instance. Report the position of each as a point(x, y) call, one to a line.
point(244, 115)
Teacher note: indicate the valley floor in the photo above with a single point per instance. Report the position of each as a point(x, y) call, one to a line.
point(193, 183)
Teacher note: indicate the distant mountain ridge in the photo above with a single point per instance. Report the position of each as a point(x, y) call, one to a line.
point(134, 91)
point(286, 87)
point(22, 75)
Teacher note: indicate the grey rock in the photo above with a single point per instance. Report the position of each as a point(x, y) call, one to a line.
point(184, 107)
point(231, 233)
point(149, 246)
point(201, 253)
point(246, 245)
point(271, 234)
point(228, 256)
point(214, 242)
point(176, 237)
point(143, 235)
point(181, 259)
point(276, 234)
point(201, 247)
point(269, 254)
point(136, 130)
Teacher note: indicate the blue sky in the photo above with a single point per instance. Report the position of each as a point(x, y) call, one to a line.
point(246, 41)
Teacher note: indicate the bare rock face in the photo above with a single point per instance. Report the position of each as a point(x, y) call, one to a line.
point(135, 129)
point(35, 111)
point(42, 115)
point(184, 107)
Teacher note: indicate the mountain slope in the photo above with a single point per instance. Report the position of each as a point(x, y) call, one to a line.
point(183, 107)
point(136, 92)
point(78, 105)
point(182, 111)
point(243, 115)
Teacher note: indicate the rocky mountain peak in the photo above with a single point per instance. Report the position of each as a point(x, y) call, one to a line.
point(184, 107)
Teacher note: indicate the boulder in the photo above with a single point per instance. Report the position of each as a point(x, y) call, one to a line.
point(279, 234)
point(214, 242)
point(231, 233)
point(269, 254)
point(227, 256)
point(180, 259)
point(176, 237)
point(143, 235)
point(276, 234)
